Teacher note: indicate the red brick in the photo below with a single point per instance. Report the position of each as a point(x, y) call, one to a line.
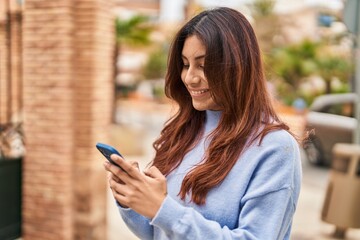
point(67, 76)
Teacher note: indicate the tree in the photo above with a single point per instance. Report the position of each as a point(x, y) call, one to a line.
point(292, 64)
point(155, 67)
point(332, 66)
point(263, 7)
point(133, 31)
point(266, 24)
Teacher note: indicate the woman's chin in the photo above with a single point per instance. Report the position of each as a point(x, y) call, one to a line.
point(205, 105)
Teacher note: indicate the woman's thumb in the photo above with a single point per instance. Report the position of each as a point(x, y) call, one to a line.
point(153, 172)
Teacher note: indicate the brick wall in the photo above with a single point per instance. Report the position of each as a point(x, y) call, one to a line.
point(3, 64)
point(68, 93)
point(10, 62)
point(94, 38)
point(16, 66)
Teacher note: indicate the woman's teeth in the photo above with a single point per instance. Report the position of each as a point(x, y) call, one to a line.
point(199, 92)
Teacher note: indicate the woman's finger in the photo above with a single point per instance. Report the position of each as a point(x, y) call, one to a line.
point(134, 164)
point(117, 172)
point(119, 192)
point(119, 198)
point(128, 167)
point(114, 177)
point(118, 187)
point(155, 175)
point(154, 172)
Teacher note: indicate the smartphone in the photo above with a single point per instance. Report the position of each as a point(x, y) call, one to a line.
point(107, 150)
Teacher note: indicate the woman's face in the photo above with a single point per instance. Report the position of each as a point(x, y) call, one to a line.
point(192, 75)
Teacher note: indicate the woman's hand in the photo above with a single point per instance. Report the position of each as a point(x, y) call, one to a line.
point(142, 192)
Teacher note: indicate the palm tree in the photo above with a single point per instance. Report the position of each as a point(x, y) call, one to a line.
point(133, 31)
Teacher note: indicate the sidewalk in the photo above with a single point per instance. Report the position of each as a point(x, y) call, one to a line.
point(307, 224)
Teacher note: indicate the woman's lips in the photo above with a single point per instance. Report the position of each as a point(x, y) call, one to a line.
point(198, 93)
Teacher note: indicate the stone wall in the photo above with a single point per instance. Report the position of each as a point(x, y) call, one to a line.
point(68, 91)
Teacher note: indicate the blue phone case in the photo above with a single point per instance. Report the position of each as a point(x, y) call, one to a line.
point(107, 150)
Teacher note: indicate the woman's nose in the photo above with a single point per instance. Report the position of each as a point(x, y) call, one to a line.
point(191, 77)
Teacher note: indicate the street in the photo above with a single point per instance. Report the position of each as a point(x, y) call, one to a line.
point(307, 223)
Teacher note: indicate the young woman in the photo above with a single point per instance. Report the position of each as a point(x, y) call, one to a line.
point(226, 167)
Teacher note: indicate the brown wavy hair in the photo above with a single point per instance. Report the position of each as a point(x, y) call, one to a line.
point(234, 71)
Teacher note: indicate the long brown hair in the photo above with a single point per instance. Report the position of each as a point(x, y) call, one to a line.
point(234, 71)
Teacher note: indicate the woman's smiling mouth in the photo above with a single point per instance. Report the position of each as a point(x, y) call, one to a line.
point(197, 93)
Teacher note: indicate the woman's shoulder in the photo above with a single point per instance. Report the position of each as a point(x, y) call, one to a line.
point(276, 159)
point(277, 148)
point(279, 137)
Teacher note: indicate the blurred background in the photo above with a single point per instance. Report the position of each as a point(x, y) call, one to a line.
point(77, 72)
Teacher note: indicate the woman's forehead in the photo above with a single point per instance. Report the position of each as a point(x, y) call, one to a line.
point(193, 47)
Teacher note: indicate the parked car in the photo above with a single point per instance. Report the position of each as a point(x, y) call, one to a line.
point(330, 120)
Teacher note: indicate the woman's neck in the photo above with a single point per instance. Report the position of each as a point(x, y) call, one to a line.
point(212, 120)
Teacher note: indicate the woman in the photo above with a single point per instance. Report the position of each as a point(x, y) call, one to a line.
point(226, 167)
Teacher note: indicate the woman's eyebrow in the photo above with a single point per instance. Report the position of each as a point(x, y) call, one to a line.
point(196, 58)
point(200, 57)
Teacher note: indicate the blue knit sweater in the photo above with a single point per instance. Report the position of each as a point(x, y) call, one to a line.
point(257, 199)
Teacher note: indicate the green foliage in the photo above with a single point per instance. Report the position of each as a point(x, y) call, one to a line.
point(267, 24)
point(133, 31)
point(156, 65)
point(291, 66)
point(331, 66)
point(293, 63)
point(159, 92)
point(263, 7)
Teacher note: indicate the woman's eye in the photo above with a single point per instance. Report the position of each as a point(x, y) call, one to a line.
point(187, 66)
